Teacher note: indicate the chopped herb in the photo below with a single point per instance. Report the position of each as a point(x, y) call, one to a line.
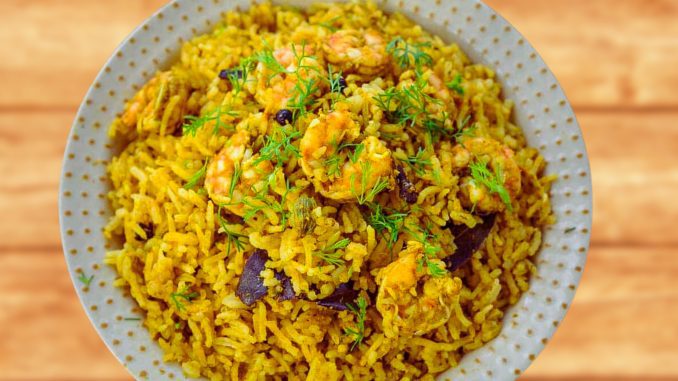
point(418, 162)
point(367, 195)
point(360, 312)
point(337, 85)
point(234, 239)
point(84, 279)
point(278, 147)
point(195, 123)
point(494, 182)
point(406, 54)
point(261, 202)
point(183, 294)
point(430, 252)
point(269, 61)
point(303, 218)
point(464, 129)
point(237, 172)
point(570, 230)
point(333, 165)
point(455, 85)
point(304, 89)
point(196, 177)
point(408, 106)
point(238, 76)
point(387, 224)
point(329, 24)
point(330, 253)
point(434, 269)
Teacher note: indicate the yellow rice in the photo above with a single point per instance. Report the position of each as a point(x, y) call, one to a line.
point(215, 335)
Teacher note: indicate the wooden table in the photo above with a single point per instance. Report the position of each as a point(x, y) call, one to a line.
point(618, 63)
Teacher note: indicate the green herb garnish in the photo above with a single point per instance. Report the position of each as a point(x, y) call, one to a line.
point(84, 279)
point(360, 312)
point(335, 85)
point(387, 224)
point(261, 202)
point(183, 294)
point(331, 255)
point(455, 85)
point(570, 230)
point(131, 319)
point(418, 161)
point(407, 54)
point(233, 238)
point(494, 182)
point(279, 147)
point(365, 195)
point(197, 176)
point(329, 24)
point(195, 123)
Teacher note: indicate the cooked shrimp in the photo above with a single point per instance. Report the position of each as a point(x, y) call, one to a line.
point(410, 301)
point(320, 149)
point(159, 106)
point(357, 51)
point(277, 90)
point(500, 159)
point(236, 157)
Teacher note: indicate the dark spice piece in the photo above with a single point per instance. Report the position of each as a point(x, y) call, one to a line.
point(407, 190)
point(342, 84)
point(341, 296)
point(468, 241)
point(284, 117)
point(288, 291)
point(230, 73)
point(148, 229)
point(250, 286)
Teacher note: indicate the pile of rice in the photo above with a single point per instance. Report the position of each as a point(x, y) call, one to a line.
point(171, 236)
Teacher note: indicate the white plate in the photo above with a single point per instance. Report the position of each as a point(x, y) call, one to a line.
point(542, 110)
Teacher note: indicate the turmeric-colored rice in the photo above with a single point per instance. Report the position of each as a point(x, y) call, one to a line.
point(188, 223)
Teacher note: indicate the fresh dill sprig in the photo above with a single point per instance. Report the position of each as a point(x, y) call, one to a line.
point(195, 123)
point(360, 312)
point(329, 24)
point(408, 105)
point(279, 147)
point(304, 89)
point(430, 252)
point(262, 201)
point(434, 269)
point(464, 129)
point(407, 54)
point(334, 79)
point(266, 57)
point(455, 85)
point(333, 163)
point(183, 294)
point(196, 177)
point(331, 255)
point(238, 77)
point(237, 172)
point(85, 279)
point(418, 161)
point(367, 195)
point(234, 239)
point(387, 224)
point(494, 182)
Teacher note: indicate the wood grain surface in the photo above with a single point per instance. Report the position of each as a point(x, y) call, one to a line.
point(616, 59)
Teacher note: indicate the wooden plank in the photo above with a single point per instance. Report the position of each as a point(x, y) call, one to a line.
point(624, 56)
point(52, 50)
point(605, 52)
point(632, 156)
point(31, 150)
point(621, 323)
point(45, 332)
